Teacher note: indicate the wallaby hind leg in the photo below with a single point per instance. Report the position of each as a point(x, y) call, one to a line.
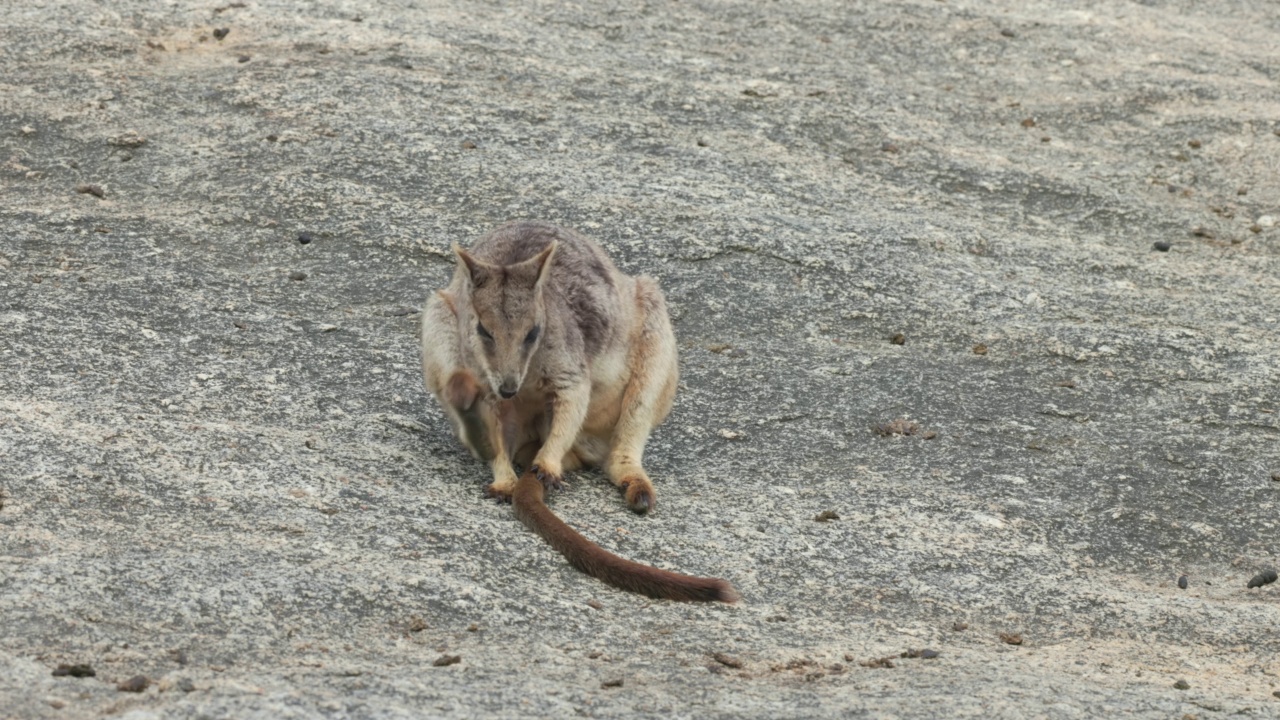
point(485, 428)
point(473, 415)
point(461, 394)
point(457, 389)
point(647, 399)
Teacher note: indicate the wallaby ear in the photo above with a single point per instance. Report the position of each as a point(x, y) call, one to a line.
point(543, 262)
point(476, 271)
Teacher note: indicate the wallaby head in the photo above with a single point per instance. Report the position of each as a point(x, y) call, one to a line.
point(501, 314)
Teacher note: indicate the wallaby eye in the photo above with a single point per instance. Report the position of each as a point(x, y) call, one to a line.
point(484, 332)
point(532, 337)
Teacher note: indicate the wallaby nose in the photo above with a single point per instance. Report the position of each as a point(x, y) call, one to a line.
point(508, 389)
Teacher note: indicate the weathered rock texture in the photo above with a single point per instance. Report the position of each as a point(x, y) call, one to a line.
point(229, 480)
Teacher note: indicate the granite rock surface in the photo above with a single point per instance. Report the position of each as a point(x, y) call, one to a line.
point(995, 284)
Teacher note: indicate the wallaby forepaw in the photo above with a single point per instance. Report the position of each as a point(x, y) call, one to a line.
point(549, 480)
point(640, 496)
point(501, 494)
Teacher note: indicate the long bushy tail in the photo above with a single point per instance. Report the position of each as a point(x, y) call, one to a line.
point(532, 510)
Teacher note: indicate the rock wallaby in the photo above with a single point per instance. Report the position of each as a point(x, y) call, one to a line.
point(545, 356)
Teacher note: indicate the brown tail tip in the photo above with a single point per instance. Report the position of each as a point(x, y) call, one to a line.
point(595, 561)
point(726, 594)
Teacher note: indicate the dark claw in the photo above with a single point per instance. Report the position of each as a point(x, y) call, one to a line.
point(642, 503)
point(549, 481)
point(502, 497)
point(639, 498)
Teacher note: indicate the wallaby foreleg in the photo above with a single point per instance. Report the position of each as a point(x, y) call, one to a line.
point(568, 410)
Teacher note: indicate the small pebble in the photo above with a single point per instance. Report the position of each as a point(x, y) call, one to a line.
point(929, 654)
point(297, 275)
point(91, 189)
point(825, 516)
point(468, 145)
point(135, 684)
point(1193, 143)
point(889, 147)
point(1028, 122)
point(1008, 33)
point(1182, 685)
point(304, 238)
point(1011, 638)
point(726, 660)
point(898, 339)
point(1162, 245)
point(1275, 476)
point(1266, 577)
point(1182, 582)
point(979, 349)
point(958, 626)
point(1203, 232)
point(78, 670)
point(243, 59)
point(612, 683)
point(595, 604)
point(185, 685)
point(901, 426)
point(128, 140)
point(1045, 138)
point(220, 33)
point(446, 660)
